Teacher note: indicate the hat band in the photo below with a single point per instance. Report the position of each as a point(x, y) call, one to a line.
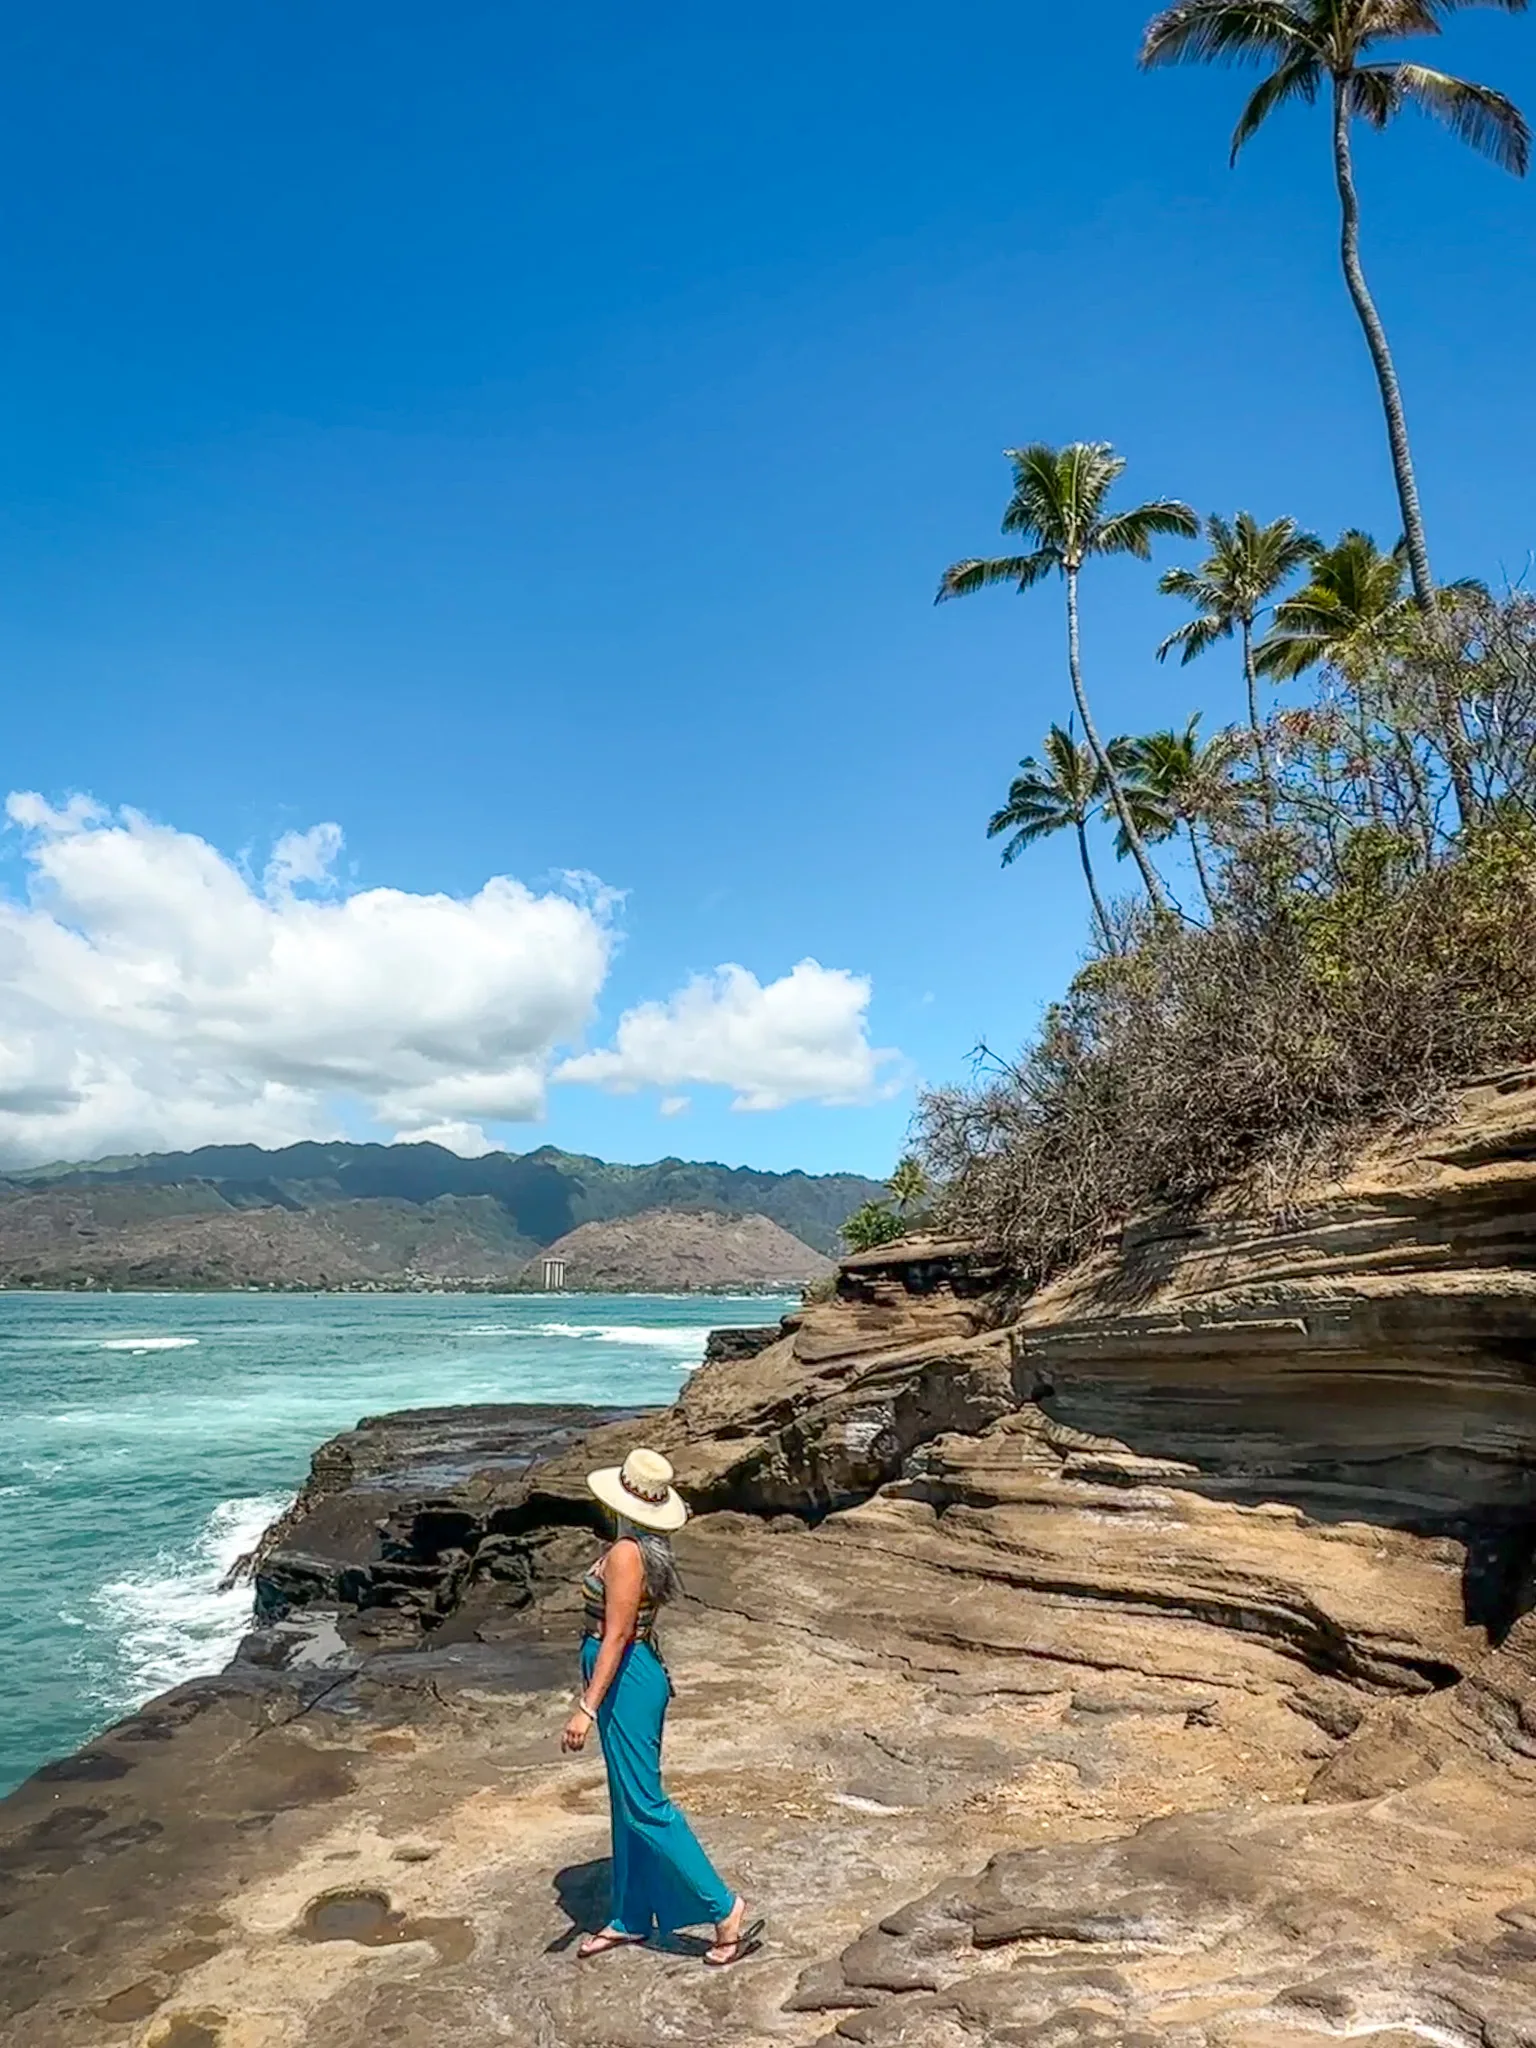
point(652, 1500)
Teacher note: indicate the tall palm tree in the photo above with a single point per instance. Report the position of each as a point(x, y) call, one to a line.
point(1176, 779)
point(1066, 789)
point(1247, 564)
point(1321, 47)
point(1059, 506)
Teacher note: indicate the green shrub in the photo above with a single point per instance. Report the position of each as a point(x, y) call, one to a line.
point(1302, 1015)
point(875, 1224)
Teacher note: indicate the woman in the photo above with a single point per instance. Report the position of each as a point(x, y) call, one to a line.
point(661, 1876)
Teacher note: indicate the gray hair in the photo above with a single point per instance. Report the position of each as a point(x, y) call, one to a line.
point(662, 1580)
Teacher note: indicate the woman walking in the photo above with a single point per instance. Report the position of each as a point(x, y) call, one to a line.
point(661, 1877)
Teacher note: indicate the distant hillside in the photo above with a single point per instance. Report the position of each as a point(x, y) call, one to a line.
point(352, 1215)
point(680, 1251)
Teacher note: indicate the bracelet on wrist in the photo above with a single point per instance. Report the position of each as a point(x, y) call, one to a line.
point(583, 1708)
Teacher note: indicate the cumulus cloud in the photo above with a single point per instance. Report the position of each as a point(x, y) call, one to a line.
point(303, 857)
point(468, 1140)
point(151, 995)
point(802, 1038)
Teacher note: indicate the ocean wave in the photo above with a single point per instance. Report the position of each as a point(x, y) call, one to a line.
point(170, 1621)
point(625, 1333)
point(147, 1343)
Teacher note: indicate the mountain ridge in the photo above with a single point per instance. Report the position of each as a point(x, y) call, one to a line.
point(345, 1214)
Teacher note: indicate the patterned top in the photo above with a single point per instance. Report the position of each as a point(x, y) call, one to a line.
point(595, 1601)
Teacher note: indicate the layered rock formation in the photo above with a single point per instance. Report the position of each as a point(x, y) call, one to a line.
point(1154, 1667)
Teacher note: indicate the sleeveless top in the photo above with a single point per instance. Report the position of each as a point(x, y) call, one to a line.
point(595, 1600)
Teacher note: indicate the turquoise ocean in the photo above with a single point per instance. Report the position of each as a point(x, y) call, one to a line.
point(149, 1438)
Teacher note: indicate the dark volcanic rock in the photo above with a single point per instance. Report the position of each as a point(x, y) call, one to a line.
point(395, 1513)
point(736, 1347)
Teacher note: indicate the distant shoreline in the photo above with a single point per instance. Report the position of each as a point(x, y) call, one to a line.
point(416, 1288)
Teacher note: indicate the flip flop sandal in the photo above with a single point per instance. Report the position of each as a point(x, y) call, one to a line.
point(747, 1943)
point(605, 1943)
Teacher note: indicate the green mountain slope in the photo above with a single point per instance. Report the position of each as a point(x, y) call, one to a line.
point(543, 1195)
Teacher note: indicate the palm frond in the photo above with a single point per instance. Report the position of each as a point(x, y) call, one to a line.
point(1196, 637)
point(1375, 94)
point(1297, 79)
point(1132, 533)
point(1223, 32)
point(1283, 655)
point(962, 579)
point(1484, 119)
point(1187, 583)
point(1077, 774)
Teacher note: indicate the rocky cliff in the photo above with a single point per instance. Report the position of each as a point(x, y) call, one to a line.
point(1154, 1666)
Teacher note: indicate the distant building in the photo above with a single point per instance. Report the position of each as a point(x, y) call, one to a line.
point(553, 1272)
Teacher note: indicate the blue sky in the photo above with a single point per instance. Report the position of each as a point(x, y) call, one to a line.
point(531, 440)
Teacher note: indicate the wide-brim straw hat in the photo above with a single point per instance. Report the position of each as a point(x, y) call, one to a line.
point(641, 1490)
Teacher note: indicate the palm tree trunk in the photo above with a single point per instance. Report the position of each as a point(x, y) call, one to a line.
point(1133, 838)
point(1100, 914)
point(1381, 354)
point(1260, 751)
point(1448, 710)
point(1200, 874)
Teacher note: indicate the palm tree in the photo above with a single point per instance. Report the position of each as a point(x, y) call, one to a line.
point(1058, 505)
point(1247, 564)
point(1045, 798)
point(1321, 47)
point(1178, 780)
point(908, 1184)
point(1353, 612)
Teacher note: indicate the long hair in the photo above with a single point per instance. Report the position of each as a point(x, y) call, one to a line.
point(662, 1580)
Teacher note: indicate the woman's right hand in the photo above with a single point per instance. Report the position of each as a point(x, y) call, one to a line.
point(574, 1736)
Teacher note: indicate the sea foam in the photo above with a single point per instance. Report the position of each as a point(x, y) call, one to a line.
point(625, 1333)
point(170, 1620)
point(147, 1343)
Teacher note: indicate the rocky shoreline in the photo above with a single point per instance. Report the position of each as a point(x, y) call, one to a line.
point(1152, 1664)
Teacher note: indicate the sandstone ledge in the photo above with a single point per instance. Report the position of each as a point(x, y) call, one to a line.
point(1156, 1668)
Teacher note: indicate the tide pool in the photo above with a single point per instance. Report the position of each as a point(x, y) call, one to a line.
point(149, 1438)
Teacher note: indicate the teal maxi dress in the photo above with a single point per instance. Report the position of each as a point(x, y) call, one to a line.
point(661, 1876)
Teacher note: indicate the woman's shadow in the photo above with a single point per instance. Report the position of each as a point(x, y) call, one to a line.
point(585, 1894)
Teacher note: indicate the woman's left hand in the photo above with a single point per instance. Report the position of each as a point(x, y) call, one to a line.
point(575, 1734)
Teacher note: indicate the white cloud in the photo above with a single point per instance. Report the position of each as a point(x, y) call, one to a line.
point(150, 996)
point(803, 1038)
point(304, 857)
point(154, 995)
point(468, 1140)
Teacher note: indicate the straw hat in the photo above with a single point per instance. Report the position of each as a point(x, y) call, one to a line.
point(641, 1490)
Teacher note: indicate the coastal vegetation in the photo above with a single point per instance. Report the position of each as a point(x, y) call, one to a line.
point(894, 1214)
point(1360, 929)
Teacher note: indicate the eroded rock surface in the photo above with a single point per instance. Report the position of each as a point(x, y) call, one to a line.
point(1157, 1667)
